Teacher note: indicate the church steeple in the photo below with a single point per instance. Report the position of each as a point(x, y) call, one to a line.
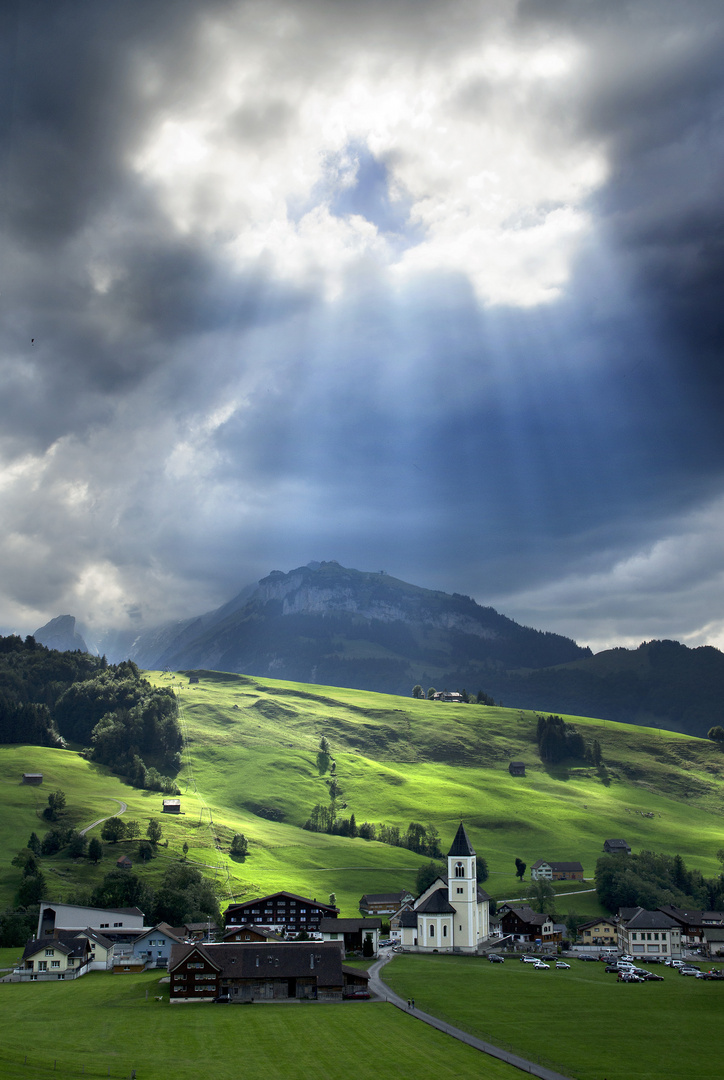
point(461, 846)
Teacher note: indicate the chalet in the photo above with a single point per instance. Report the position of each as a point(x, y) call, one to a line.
point(193, 679)
point(247, 932)
point(447, 695)
point(599, 932)
point(616, 847)
point(521, 923)
point(198, 931)
point(556, 871)
point(124, 863)
point(53, 961)
point(149, 950)
point(516, 768)
point(452, 914)
point(171, 806)
point(110, 921)
point(384, 903)
point(309, 970)
point(648, 933)
point(351, 933)
point(283, 910)
point(693, 923)
point(32, 778)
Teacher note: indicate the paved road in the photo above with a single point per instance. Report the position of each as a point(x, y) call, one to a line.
point(123, 806)
point(377, 986)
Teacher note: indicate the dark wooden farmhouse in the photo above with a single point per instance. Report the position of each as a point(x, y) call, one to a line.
point(309, 970)
point(283, 910)
point(32, 778)
point(614, 847)
point(517, 768)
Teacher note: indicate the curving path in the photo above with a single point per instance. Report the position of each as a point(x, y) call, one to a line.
point(381, 988)
point(123, 806)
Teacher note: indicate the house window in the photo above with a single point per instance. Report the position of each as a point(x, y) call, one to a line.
point(118, 924)
point(55, 963)
point(50, 952)
point(105, 925)
point(42, 965)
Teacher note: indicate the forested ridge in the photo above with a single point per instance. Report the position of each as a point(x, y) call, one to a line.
point(50, 698)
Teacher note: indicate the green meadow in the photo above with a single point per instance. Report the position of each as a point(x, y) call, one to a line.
point(124, 1027)
point(581, 1022)
point(250, 766)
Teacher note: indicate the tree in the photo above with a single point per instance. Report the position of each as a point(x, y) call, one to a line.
point(431, 693)
point(427, 873)
point(417, 691)
point(519, 868)
point(596, 753)
point(367, 946)
point(324, 745)
point(332, 899)
point(145, 851)
point(154, 831)
point(34, 843)
point(56, 805)
point(240, 846)
point(133, 829)
point(114, 829)
point(77, 845)
point(95, 850)
point(31, 890)
point(185, 849)
point(481, 870)
point(541, 895)
point(716, 734)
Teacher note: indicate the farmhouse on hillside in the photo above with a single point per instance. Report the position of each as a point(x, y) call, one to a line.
point(523, 924)
point(542, 870)
point(616, 847)
point(384, 903)
point(516, 768)
point(452, 914)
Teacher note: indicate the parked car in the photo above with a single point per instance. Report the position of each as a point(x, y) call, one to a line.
point(688, 971)
point(563, 964)
point(222, 999)
point(495, 959)
point(540, 966)
point(529, 960)
point(649, 976)
point(673, 963)
point(612, 969)
point(628, 976)
point(587, 956)
point(714, 974)
point(358, 995)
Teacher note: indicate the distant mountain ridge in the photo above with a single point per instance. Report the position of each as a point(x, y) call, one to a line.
point(326, 623)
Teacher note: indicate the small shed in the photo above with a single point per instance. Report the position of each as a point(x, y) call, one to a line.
point(193, 679)
point(171, 806)
point(517, 768)
point(124, 863)
point(32, 778)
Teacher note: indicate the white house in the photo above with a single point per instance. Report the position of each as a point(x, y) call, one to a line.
point(648, 933)
point(452, 914)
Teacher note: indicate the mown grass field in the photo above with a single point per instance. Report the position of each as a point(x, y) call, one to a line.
point(111, 1024)
point(583, 1020)
point(251, 766)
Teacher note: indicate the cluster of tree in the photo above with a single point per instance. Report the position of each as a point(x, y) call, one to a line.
point(183, 895)
point(47, 697)
point(558, 740)
point(649, 880)
point(423, 839)
point(481, 698)
point(716, 733)
point(116, 828)
point(239, 846)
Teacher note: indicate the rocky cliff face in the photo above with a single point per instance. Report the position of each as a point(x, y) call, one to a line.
point(60, 634)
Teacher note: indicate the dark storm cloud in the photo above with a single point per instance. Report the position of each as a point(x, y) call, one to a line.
point(199, 404)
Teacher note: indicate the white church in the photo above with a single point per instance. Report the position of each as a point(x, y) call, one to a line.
point(452, 914)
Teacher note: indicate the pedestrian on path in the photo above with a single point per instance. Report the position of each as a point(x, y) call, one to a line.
point(408, 1003)
point(413, 1003)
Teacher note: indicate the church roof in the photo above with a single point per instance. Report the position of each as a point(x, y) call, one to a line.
point(461, 844)
point(437, 904)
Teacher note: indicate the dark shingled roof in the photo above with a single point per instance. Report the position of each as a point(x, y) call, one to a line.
point(278, 960)
point(348, 926)
point(436, 904)
point(650, 920)
point(461, 844)
point(408, 918)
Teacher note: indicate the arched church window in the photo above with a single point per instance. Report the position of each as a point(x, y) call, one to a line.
point(459, 870)
point(432, 930)
point(444, 931)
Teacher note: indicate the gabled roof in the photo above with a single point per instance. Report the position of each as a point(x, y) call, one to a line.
point(237, 928)
point(385, 897)
point(597, 922)
point(436, 904)
point(461, 845)
point(526, 914)
point(74, 947)
point(161, 928)
point(650, 920)
point(287, 896)
point(558, 867)
point(279, 960)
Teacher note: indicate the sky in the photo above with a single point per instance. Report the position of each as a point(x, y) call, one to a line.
point(434, 288)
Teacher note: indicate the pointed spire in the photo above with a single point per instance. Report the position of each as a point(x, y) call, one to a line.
point(461, 844)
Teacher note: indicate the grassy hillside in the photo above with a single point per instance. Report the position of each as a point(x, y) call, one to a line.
point(250, 766)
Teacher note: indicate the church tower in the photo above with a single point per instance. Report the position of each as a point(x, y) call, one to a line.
point(463, 891)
